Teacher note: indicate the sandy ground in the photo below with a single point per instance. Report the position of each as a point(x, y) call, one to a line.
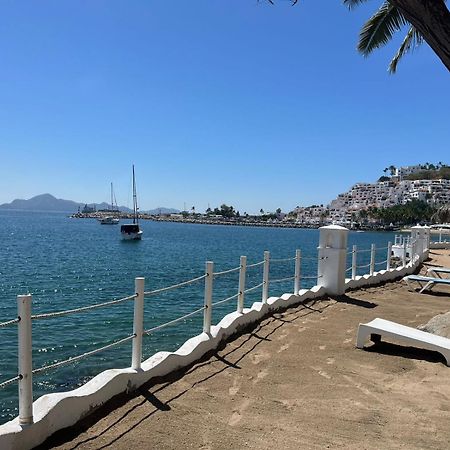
point(295, 382)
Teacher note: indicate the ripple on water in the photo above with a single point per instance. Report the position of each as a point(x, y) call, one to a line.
point(68, 263)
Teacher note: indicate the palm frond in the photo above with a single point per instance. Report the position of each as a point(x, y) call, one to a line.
point(412, 40)
point(351, 4)
point(380, 28)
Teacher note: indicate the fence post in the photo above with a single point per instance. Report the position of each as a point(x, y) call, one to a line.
point(298, 271)
point(265, 287)
point(138, 323)
point(404, 252)
point(25, 360)
point(241, 293)
point(207, 314)
point(389, 253)
point(354, 256)
point(372, 259)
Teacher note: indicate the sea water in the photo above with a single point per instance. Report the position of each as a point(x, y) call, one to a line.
point(67, 263)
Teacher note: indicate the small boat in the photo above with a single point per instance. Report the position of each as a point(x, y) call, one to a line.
point(132, 231)
point(110, 220)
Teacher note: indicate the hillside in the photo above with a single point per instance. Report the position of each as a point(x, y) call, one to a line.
point(47, 202)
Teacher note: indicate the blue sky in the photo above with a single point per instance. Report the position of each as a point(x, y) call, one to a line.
point(214, 101)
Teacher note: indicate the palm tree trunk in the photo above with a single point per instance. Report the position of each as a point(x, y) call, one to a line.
point(432, 19)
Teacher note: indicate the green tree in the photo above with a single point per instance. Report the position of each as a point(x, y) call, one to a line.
point(427, 20)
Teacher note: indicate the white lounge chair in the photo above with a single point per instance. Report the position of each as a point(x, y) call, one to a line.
point(407, 335)
point(426, 282)
point(438, 271)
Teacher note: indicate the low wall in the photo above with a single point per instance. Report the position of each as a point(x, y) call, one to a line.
point(439, 245)
point(53, 412)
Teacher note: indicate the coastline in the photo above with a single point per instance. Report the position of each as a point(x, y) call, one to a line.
point(227, 222)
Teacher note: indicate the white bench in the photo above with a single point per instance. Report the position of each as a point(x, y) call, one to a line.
point(406, 335)
point(426, 282)
point(437, 271)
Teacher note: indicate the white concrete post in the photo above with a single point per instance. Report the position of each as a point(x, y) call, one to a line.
point(25, 360)
point(297, 271)
point(332, 252)
point(389, 253)
point(265, 286)
point(404, 253)
point(138, 323)
point(440, 236)
point(241, 293)
point(208, 297)
point(427, 239)
point(420, 235)
point(372, 259)
point(354, 256)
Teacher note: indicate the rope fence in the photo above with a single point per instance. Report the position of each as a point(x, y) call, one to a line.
point(82, 356)
point(224, 272)
point(174, 286)
point(25, 318)
point(172, 322)
point(253, 288)
point(81, 309)
point(220, 302)
point(8, 382)
point(282, 260)
point(280, 280)
point(260, 263)
point(9, 322)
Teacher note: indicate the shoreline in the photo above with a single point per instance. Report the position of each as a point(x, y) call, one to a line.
point(243, 223)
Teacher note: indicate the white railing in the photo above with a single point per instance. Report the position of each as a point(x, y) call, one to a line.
point(25, 319)
point(373, 263)
point(25, 316)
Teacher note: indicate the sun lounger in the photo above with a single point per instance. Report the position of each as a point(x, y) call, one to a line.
point(426, 282)
point(438, 271)
point(378, 328)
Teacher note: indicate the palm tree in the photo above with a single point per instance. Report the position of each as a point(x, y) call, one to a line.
point(381, 27)
point(442, 215)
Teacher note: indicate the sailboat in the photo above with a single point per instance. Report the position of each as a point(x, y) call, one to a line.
point(132, 231)
point(110, 220)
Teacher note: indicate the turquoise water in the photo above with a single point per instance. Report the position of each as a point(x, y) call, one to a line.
point(67, 263)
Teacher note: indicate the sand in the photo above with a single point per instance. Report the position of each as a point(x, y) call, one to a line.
point(296, 381)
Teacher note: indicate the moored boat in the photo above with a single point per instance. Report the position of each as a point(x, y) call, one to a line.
point(132, 231)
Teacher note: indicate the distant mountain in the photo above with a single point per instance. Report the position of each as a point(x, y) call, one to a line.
point(161, 210)
point(47, 202)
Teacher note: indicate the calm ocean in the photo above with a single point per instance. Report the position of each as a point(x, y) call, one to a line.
point(67, 263)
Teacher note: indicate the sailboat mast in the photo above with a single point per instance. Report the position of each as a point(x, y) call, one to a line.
point(135, 207)
point(112, 204)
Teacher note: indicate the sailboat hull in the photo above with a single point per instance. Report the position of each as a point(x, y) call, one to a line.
point(132, 236)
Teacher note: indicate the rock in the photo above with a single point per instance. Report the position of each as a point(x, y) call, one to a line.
point(439, 325)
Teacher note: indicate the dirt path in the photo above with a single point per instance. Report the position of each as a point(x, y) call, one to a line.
point(296, 381)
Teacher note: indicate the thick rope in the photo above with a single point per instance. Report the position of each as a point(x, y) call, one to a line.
point(9, 322)
point(253, 288)
point(84, 355)
point(174, 286)
point(8, 382)
point(279, 280)
point(255, 264)
point(236, 269)
point(225, 300)
point(172, 322)
point(81, 309)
